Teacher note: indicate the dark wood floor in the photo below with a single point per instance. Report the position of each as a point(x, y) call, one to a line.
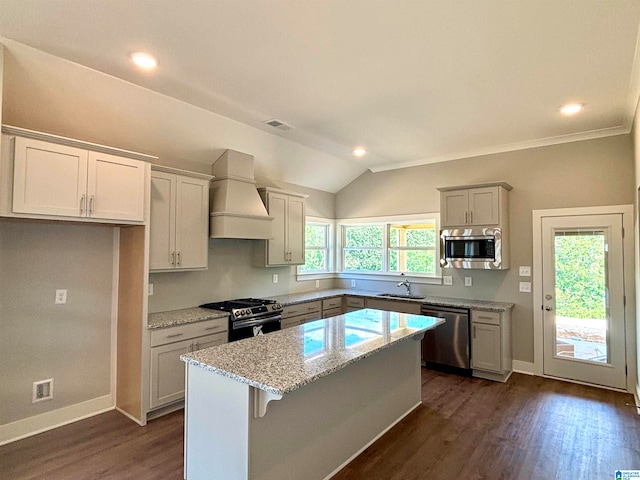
point(528, 428)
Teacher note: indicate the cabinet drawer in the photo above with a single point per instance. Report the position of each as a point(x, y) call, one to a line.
point(209, 341)
point(301, 308)
point(332, 312)
point(330, 303)
point(290, 322)
point(188, 331)
point(355, 302)
point(491, 318)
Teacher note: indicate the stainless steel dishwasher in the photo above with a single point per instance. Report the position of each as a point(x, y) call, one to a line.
point(447, 347)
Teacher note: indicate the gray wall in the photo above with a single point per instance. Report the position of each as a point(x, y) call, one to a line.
point(40, 340)
point(232, 271)
point(587, 173)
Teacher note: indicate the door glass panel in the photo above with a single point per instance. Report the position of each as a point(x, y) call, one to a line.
point(581, 326)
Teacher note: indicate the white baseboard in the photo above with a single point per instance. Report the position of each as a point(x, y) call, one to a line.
point(27, 427)
point(528, 368)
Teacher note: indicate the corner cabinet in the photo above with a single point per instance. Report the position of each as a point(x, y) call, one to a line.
point(179, 223)
point(491, 345)
point(68, 181)
point(286, 247)
point(474, 205)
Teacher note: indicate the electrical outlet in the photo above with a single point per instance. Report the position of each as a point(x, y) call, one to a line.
point(317, 283)
point(525, 287)
point(525, 271)
point(150, 289)
point(353, 284)
point(468, 281)
point(42, 390)
point(275, 278)
point(447, 280)
point(61, 297)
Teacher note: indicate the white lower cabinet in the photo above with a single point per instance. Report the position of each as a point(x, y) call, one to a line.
point(491, 345)
point(167, 344)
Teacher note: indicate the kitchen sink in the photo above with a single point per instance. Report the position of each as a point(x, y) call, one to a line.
point(401, 295)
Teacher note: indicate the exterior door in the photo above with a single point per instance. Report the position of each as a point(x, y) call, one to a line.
point(583, 299)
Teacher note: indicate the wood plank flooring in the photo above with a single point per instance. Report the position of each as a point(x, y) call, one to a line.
point(528, 428)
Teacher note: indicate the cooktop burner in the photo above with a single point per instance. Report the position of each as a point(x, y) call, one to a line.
point(246, 307)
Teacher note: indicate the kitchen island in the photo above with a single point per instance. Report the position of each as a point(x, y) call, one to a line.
point(302, 402)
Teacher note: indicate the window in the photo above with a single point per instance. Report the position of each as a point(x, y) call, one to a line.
point(403, 245)
point(317, 248)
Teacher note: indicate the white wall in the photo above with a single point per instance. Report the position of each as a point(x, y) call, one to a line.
point(635, 135)
point(70, 343)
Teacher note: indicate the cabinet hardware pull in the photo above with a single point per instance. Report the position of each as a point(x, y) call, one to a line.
point(196, 347)
point(213, 328)
point(82, 201)
point(471, 216)
point(178, 259)
point(466, 217)
point(474, 331)
point(485, 318)
point(173, 335)
point(91, 205)
point(173, 258)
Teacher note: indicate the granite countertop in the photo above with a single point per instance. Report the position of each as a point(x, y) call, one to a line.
point(486, 305)
point(179, 317)
point(196, 314)
point(284, 361)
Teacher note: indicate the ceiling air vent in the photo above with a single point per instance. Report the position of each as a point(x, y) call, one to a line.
point(278, 124)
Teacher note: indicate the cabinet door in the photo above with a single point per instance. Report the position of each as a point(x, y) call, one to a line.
point(115, 188)
point(209, 341)
point(167, 373)
point(162, 223)
point(49, 179)
point(483, 206)
point(486, 349)
point(276, 246)
point(454, 206)
point(393, 305)
point(296, 224)
point(192, 223)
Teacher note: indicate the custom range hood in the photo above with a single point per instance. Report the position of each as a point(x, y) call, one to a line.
point(236, 208)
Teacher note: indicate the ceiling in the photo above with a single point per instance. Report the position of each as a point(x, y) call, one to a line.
point(413, 81)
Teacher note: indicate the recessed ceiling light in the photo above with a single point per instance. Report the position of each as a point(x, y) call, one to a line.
point(571, 108)
point(144, 60)
point(359, 152)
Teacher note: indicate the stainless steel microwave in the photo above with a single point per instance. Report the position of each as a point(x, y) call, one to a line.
point(471, 248)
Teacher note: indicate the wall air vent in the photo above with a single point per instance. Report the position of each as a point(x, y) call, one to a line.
point(278, 124)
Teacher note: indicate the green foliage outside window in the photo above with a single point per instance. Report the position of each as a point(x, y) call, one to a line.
point(580, 276)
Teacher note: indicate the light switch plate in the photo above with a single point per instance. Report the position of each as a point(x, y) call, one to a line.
point(61, 297)
point(468, 281)
point(525, 287)
point(525, 271)
point(275, 278)
point(447, 280)
point(353, 284)
point(150, 289)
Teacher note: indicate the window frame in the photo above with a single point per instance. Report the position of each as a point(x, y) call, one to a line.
point(386, 222)
point(329, 224)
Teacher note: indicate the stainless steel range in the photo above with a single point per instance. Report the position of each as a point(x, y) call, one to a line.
point(249, 317)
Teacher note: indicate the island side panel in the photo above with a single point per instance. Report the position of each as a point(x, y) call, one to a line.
point(315, 430)
point(216, 441)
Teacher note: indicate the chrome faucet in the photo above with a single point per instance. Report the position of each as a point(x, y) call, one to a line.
point(405, 283)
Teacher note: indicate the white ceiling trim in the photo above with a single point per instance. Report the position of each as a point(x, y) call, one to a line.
point(511, 147)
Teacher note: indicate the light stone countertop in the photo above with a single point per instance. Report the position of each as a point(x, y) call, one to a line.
point(486, 305)
point(196, 314)
point(284, 361)
point(179, 317)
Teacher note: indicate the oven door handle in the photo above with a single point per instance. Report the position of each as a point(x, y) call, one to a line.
point(252, 322)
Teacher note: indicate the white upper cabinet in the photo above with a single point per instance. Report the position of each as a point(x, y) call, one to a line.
point(474, 205)
point(179, 223)
point(53, 180)
point(286, 247)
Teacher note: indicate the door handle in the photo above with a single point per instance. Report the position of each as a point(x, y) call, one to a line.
point(548, 309)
